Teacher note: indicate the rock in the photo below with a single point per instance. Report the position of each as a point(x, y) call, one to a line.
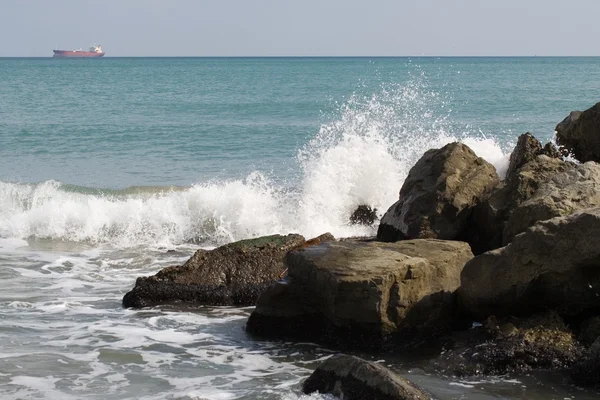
point(590, 331)
point(364, 215)
point(524, 183)
point(554, 265)
point(361, 294)
point(351, 378)
point(586, 371)
point(234, 274)
point(579, 133)
point(526, 150)
point(512, 345)
point(490, 216)
point(439, 195)
point(551, 151)
point(563, 194)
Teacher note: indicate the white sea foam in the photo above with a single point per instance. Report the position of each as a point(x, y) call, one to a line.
point(361, 157)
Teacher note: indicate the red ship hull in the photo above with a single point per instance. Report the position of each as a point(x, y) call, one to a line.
point(76, 54)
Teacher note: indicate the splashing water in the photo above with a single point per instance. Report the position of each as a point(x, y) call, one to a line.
point(361, 157)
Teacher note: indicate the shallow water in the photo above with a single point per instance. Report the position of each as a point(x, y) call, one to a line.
point(65, 335)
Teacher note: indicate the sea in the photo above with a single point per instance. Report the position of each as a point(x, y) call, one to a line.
point(114, 168)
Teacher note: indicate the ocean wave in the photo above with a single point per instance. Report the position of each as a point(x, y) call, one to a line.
point(361, 156)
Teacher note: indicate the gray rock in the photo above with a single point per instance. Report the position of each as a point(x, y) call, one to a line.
point(351, 378)
point(234, 274)
point(554, 265)
point(490, 216)
point(439, 195)
point(360, 294)
point(562, 194)
point(579, 133)
point(526, 150)
point(552, 151)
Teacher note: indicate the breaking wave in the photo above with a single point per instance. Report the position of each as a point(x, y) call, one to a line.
point(361, 156)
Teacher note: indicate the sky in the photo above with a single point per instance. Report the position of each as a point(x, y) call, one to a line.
point(301, 27)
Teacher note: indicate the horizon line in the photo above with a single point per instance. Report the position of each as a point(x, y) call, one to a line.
point(340, 56)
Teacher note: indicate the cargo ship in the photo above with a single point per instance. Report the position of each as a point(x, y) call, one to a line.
point(94, 51)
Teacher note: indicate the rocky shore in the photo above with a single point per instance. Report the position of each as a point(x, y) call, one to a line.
point(503, 274)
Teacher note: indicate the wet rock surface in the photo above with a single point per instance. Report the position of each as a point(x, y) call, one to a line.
point(234, 274)
point(511, 345)
point(351, 378)
point(364, 215)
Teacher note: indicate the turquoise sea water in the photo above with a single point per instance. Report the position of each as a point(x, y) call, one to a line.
point(107, 163)
point(178, 121)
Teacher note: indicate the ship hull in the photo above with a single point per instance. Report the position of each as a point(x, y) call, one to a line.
point(76, 54)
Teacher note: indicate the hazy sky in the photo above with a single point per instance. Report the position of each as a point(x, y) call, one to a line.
point(301, 27)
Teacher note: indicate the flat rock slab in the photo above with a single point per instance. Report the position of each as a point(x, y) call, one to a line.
point(361, 293)
point(351, 378)
point(234, 274)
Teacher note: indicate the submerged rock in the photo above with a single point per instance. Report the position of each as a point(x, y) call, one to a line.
point(234, 274)
point(351, 378)
point(361, 294)
point(579, 133)
point(553, 265)
point(439, 195)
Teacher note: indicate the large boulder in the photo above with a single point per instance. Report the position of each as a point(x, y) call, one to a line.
point(351, 378)
point(579, 133)
point(361, 294)
point(576, 189)
point(234, 274)
point(439, 195)
point(522, 181)
point(553, 265)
